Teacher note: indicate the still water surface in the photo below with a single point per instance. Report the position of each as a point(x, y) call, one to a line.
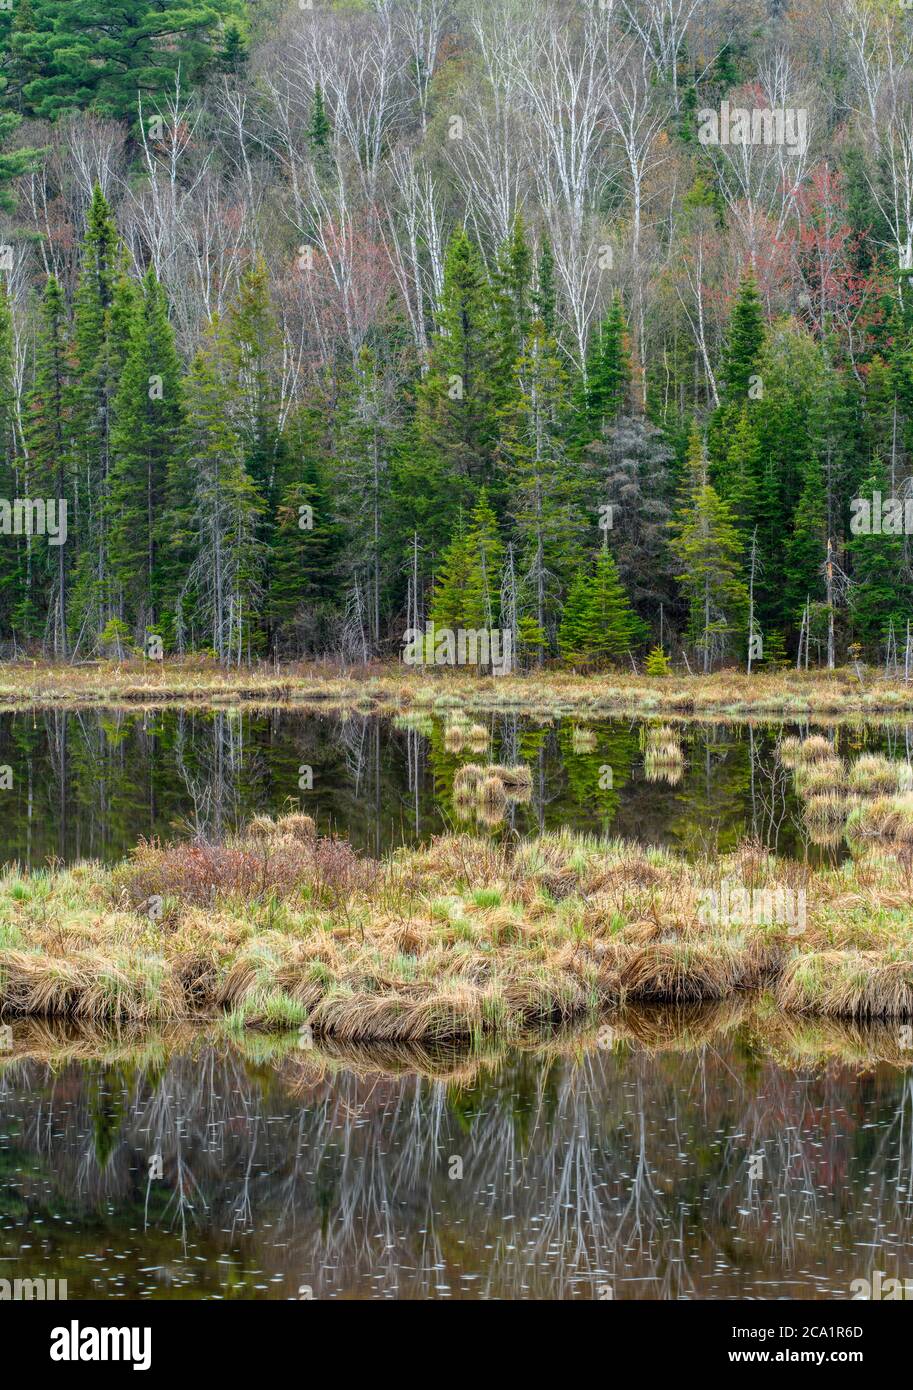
point(555, 1173)
point(653, 1165)
point(89, 784)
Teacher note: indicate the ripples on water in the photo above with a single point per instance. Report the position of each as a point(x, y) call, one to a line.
point(683, 1167)
point(669, 1165)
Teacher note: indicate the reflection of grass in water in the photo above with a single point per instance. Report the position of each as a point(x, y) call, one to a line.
point(826, 774)
point(484, 791)
point(587, 1115)
point(825, 818)
point(886, 818)
point(204, 772)
point(869, 800)
point(116, 1060)
point(576, 1108)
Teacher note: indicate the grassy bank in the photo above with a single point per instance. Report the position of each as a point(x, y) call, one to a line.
point(397, 688)
point(281, 929)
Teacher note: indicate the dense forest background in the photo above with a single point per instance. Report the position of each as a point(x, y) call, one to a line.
point(330, 320)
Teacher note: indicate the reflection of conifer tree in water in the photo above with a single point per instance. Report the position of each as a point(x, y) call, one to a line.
point(444, 766)
point(537, 745)
point(614, 748)
point(715, 793)
point(23, 746)
point(107, 1107)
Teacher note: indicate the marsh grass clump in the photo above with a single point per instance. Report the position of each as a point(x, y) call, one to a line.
point(463, 938)
point(298, 825)
point(468, 777)
point(825, 814)
point(454, 738)
point(819, 776)
point(685, 972)
point(583, 740)
point(516, 778)
point(829, 807)
point(415, 719)
point(875, 775)
point(848, 984)
point(293, 825)
point(663, 757)
point(492, 793)
point(486, 791)
point(796, 752)
point(884, 818)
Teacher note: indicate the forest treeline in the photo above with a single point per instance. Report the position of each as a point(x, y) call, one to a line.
point(331, 322)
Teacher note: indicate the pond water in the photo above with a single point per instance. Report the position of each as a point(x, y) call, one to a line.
point(627, 1169)
point(89, 784)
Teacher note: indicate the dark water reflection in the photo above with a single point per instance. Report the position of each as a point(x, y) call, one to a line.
point(584, 1168)
point(89, 784)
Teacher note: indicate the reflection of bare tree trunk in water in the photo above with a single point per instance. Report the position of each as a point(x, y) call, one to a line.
point(31, 808)
point(416, 780)
point(219, 778)
point(352, 734)
point(510, 740)
point(772, 802)
point(61, 727)
point(412, 775)
point(185, 739)
point(217, 755)
point(607, 1165)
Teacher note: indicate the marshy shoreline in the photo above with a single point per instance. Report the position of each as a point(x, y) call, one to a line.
point(394, 688)
point(465, 939)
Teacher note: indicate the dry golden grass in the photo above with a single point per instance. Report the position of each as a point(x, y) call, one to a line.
point(848, 984)
point(875, 775)
point(884, 818)
point(824, 775)
point(803, 753)
point(485, 791)
point(462, 939)
point(396, 688)
point(664, 760)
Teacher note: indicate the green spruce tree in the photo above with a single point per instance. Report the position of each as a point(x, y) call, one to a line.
point(706, 544)
point(146, 436)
